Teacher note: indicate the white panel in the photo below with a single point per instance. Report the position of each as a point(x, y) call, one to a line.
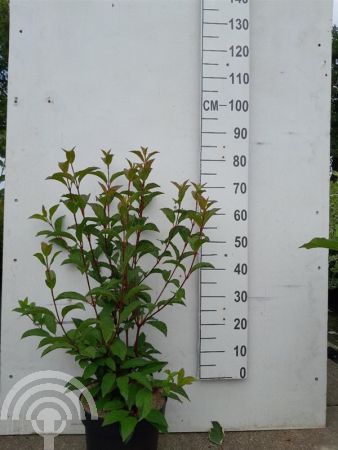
point(88, 74)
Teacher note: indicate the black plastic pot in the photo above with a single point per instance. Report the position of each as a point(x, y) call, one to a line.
point(108, 437)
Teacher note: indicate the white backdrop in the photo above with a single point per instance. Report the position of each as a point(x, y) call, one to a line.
point(88, 74)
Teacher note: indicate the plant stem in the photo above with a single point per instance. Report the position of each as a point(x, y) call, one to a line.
point(60, 321)
point(94, 259)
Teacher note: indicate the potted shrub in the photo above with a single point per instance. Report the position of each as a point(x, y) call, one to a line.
point(131, 272)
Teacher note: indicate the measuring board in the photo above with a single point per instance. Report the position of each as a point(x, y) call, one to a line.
point(224, 168)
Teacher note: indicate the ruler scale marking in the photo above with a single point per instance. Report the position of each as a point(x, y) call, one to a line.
point(225, 81)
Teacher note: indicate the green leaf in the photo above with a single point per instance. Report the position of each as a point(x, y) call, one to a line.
point(58, 224)
point(50, 349)
point(50, 279)
point(175, 262)
point(38, 217)
point(71, 295)
point(89, 371)
point(53, 210)
point(54, 256)
point(158, 420)
point(88, 171)
point(83, 324)
point(177, 252)
point(106, 322)
point(107, 157)
point(161, 326)
point(59, 176)
point(144, 399)
point(169, 214)
point(216, 434)
point(115, 416)
point(128, 310)
point(179, 390)
point(179, 296)
point(133, 389)
point(107, 383)
point(69, 308)
point(110, 363)
point(165, 274)
point(57, 342)
point(184, 232)
point(102, 291)
point(89, 351)
point(174, 396)
point(35, 332)
point(70, 155)
point(135, 362)
point(122, 384)
point(119, 348)
point(150, 227)
point(99, 212)
point(145, 247)
point(113, 404)
point(75, 258)
point(182, 189)
point(64, 166)
point(153, 367)
point(44, 233)
point(141, 379)
point(50, 322)
point(148, 198)
point(195, 242)
point(202, 265)
point(41, 258)
point(46, 248)
point(128, 426)
point(187, 381)
point(45, 341)
point(42, 310)
point(133, 293)
point(331, 244)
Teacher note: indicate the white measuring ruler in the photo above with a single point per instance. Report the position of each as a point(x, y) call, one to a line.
point(224, 167)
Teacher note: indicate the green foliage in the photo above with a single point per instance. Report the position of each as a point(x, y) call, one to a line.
point(216, 434)
point(334, 99)
point(117, 249)
point(333, 256)
point(331, 243)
